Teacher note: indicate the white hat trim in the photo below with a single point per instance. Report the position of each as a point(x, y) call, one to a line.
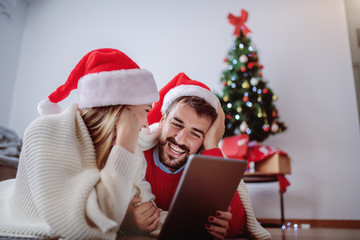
point(189, 90)
point(130, 87)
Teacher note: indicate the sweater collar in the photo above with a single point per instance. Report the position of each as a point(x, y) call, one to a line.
point(161, 165)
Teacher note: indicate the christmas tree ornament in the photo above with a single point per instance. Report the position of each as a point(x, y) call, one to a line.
point(266, 127)
point(251, 65)
point(254, 81)
point(274, 128)
point(265, 91)
point(245, 84)
point(243, 58)
point(226, 98)
point(259, 99)
point(245, 99)
point(243, 126)
point(243, 69)
point(275, 97)
point(239, 109)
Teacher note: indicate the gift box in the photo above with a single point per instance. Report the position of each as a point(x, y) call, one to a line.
point(275, 164)
point(235, 146)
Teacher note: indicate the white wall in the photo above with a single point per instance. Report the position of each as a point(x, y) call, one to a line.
point(303, 45)
point(12, 19)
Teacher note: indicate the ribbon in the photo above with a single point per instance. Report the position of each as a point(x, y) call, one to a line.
point(283, 182)
point(239, 23)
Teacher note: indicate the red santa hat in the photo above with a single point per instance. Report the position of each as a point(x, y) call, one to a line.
point(104, 77)
point(180, 85)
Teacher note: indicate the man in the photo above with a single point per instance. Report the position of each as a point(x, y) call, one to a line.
point(188, 119)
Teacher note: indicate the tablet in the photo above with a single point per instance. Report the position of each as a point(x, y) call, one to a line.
point(207, 184)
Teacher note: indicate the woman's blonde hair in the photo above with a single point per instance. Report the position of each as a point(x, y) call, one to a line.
point(101, 123)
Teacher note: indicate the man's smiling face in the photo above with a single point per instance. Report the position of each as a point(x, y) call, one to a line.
point(182, 133)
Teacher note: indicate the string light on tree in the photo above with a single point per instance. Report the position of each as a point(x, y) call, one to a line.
point(247, 100)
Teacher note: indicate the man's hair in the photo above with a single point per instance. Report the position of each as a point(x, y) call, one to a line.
point(201, 107)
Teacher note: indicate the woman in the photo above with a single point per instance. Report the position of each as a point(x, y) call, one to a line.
point(79, 168)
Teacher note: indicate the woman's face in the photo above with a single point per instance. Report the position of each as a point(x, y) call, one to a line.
point(141, 112)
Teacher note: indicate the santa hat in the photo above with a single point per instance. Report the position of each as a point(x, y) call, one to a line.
point(180, 85)
point(104, 77)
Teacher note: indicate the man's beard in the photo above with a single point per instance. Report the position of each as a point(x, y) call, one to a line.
point(169, 161)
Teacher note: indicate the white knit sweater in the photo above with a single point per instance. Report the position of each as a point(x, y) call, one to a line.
point(56, 190)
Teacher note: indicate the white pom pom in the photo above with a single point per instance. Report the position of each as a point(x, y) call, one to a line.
point(46, 107)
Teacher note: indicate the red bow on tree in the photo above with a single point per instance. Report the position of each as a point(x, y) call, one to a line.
point(239, 23)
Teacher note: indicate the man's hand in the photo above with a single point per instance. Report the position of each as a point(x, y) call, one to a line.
point(219, 225)
point(140, 218)
point(216, 131)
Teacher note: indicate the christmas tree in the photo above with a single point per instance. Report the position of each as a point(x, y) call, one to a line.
point(247, 100)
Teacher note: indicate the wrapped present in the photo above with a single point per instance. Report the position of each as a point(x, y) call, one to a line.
point(275, 164)
point(270, 160)
point(235, 146)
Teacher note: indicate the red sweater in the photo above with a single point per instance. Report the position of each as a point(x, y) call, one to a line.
point(163, 186)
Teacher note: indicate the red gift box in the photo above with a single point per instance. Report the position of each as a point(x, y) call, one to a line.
point(235, 146)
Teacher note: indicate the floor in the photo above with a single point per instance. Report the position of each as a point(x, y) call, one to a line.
point(314, 234)
point(279, 234)
point(294, 234)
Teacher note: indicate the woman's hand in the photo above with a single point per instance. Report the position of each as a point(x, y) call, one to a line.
point(219, 225)
point(127, 130)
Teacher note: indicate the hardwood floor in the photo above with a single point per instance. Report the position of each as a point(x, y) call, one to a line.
point(292, 234)
point(314, 234)
point(276, 234)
